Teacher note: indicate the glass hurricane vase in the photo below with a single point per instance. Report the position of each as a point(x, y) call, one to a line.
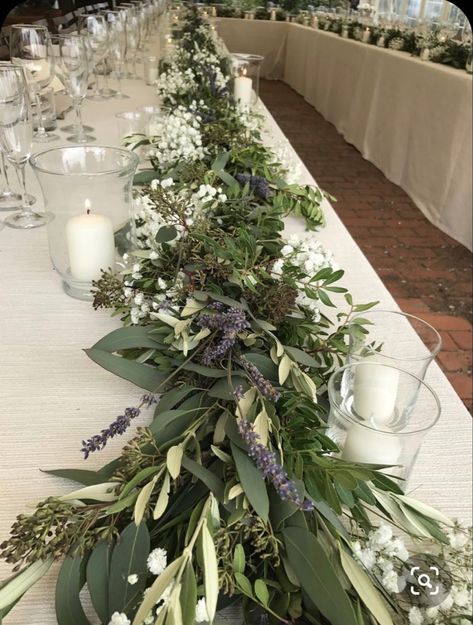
point(88, 189)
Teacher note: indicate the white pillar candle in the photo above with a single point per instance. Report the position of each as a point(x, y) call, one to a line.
point(366, 35)
point(214, 11)
point(315, 22)
point(375, 390)
point(273, 15)
point(425, 54)
point(365, 445)
point(90, 244)
point(243, 90)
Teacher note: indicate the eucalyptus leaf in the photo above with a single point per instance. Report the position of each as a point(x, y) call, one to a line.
point(126, 338)
point(128, 558)
point(142, 375)
point(213, 483)
point(252, 481)
point(97, 574)
point(82, 476)
point(317, 576)
point(69, 610)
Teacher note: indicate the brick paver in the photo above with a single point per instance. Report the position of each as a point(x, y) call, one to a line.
point(428, 273)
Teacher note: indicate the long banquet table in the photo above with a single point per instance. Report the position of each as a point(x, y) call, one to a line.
point(53, 396)
point(412, 119)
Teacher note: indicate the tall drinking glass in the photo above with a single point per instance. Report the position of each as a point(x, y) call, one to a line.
point(16, 138)
point(73, 70)
point(30, 46)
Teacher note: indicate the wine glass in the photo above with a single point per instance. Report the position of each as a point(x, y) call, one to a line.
point(94, 28)
point(73, 69)
point(9, 200)
point(30, 46)
point(118, 42)
point(16, 138)
point(133, 40)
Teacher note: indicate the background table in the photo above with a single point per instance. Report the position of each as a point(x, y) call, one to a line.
point(411, 119)
point(53, 396)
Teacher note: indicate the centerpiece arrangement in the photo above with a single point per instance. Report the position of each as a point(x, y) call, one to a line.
point(441, 48)
point(233, 497)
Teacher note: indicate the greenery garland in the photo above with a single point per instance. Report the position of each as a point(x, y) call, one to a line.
point(233, 494)
point(445, 51)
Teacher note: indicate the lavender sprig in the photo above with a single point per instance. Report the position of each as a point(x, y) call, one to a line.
point(117, 427)
point(262, 384)
point(266, 461)
point(228, 324)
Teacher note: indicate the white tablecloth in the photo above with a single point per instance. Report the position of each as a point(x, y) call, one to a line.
point(411, 119)
point(53, 396)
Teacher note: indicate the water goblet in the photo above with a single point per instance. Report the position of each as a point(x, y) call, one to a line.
point(94, 27)
point(73, 70)
point(118, 45)
point(16, 139)
point(30, 46)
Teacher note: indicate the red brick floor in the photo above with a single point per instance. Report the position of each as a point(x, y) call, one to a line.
point(428, 273)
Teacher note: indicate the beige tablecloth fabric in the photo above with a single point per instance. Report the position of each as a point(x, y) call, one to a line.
point(411, 119)
point(53, 396)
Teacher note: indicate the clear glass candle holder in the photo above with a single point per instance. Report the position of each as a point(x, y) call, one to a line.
point(152, 115)
point(380, 414)
point(246, 69)
point(387, 335)
point(130, 123)
point(88, 189)
point(150, 69)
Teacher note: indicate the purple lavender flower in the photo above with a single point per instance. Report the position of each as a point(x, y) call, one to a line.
point(266, 461)
point(228, 324)
point(117, 427)
point(262, 384)
point(258, 184)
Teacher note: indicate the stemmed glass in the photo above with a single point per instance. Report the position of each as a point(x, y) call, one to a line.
point(118, 42)
point(94, 27)
point(73, 70)
point(16, 138)
point(8, 198)
point(133, 40)
point(30, 46)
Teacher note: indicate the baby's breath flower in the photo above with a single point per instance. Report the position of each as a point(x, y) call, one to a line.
point(119, 618)
point(157, 561)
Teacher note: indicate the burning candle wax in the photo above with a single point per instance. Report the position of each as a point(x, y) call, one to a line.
point(369, 446)
point(90, 244)
point(243, 89)
point(375, 390)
